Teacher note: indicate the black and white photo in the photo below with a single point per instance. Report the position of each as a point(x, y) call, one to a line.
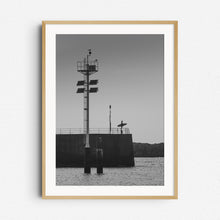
point(110, 109)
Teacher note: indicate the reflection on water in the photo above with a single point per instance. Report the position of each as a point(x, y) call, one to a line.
point(147, 171)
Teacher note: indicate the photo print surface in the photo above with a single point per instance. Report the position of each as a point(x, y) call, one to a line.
point(110, 110)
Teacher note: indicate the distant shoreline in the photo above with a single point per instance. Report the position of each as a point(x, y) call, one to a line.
point(148, 150)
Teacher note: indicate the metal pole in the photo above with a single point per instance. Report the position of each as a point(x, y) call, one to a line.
point(87, 103)
point(87, 69)
point(87, 168)
point(110, 123)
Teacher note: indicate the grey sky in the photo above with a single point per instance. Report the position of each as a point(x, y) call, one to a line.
point(131, 80)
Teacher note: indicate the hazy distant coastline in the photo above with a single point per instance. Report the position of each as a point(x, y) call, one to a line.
point(148, 150)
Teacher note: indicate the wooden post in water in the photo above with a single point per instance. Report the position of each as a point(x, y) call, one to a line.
point(99, 160)
point(99, 156)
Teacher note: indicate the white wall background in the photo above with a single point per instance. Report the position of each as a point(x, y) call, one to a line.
point(199, 109)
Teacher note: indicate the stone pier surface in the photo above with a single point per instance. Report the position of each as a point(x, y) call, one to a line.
point(117, 150)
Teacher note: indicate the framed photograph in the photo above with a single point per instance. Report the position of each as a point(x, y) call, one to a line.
point(109, 109)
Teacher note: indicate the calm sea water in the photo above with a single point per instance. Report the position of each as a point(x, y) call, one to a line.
point(147, 171)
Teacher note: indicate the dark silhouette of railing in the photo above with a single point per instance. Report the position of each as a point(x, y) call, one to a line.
point(92, 131)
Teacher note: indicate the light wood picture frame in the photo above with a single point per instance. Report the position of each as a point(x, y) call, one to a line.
point(59, 40)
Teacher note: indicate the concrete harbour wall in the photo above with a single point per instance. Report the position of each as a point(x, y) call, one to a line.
point(117, 150)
